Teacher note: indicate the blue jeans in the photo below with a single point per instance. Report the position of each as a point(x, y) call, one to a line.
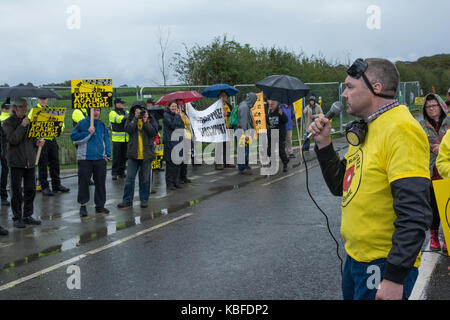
point(144, 180)
point(355, 279)
point(243, 166)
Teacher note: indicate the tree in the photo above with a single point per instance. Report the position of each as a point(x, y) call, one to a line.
point(227, 61)
point(163, 42)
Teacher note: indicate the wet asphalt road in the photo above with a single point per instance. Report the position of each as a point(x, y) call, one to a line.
point(240, 237)
point(225, 236)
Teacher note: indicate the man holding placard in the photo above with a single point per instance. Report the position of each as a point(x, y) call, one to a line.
point(49, 158)
point(21, 156)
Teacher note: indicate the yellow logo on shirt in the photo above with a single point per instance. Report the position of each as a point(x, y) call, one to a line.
point(352, 178)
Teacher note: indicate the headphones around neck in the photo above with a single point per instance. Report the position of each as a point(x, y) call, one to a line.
point(355, 132)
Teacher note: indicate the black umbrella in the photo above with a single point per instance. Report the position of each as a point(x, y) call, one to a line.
point(282, 88)
point(28, 91)
point(157, 112)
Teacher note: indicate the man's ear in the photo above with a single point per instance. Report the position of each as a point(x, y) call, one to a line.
point(377, 87)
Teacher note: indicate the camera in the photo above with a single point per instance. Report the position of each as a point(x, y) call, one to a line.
point(143, 112)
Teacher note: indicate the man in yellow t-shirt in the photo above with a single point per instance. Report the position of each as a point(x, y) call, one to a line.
point(384, 183)
point(140, 154)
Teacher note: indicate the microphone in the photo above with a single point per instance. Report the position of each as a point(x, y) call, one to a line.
point(336, 108)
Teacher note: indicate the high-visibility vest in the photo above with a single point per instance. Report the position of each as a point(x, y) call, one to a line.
point(117, 121)
point(78, 115)
point(4, 116)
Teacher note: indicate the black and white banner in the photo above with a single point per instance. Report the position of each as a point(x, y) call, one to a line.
point(208, 125)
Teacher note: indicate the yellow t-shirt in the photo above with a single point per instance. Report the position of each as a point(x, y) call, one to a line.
point(226, 110)
point(443, 158)
point(395, 147)
point(140, 124)
point(187, 126)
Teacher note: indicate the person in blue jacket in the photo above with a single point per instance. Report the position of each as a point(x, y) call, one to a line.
point(93, 152)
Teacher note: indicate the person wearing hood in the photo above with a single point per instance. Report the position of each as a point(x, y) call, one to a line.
point(140, 154)
point(435, 122)
point(21, 156)
point(245, 123)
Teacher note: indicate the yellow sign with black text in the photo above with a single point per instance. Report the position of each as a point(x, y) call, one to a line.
point(259, 115)
point(298, 105)
point(159, 151)
point(46, 122)
point(91, 93)
point(442, 192)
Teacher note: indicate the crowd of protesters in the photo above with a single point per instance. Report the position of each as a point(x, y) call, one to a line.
point(134, 135)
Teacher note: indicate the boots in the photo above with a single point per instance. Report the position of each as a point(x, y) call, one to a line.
point(434, 240)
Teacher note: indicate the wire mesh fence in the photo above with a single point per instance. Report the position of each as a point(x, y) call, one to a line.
point(327, 92)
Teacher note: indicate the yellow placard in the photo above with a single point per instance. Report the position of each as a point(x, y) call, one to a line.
point(91, 93)
point(442, 192)
point(418, 101)
point(298, 106)
point(159, 151)
point(46, 122)
point(258, 114)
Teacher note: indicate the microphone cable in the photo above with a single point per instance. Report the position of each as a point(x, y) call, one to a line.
point(320, 209)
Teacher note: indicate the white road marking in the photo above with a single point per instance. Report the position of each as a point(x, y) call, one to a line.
point(290, 175)
point(428, 263)
point(211, 173)
point(89, 253)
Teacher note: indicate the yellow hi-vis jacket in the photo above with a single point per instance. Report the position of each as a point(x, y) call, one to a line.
point(78, 115)
point(4, 116)
point(117, 120)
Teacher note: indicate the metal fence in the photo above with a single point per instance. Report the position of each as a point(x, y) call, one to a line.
point(329, 92)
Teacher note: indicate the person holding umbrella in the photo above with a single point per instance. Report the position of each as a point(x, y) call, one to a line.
point(277, 120)
point(223, 95)
point(223, 92)
point(21, 156)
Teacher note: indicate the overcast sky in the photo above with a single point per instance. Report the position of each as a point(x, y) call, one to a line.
point(118, 39)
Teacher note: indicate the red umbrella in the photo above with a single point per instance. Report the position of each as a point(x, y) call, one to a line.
point(187, 96)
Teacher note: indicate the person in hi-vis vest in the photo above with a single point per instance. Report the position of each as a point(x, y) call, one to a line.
point(117, 118)
point(49, 158)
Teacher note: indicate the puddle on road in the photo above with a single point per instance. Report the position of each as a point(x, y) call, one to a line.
point(109, 229)
point(113, 227)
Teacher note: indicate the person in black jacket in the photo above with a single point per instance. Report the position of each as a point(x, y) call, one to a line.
point(5, 170)
point(140, 154)
point(172, 121)
point(276, 120)
point(21, 155)
point(384, 182)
